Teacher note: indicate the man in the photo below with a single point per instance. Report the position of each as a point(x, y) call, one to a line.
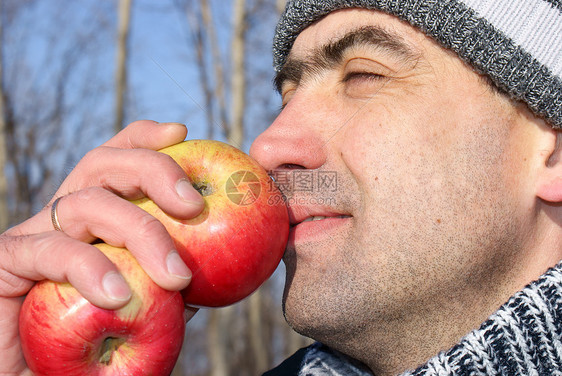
point(449, 185)
point(443, 235)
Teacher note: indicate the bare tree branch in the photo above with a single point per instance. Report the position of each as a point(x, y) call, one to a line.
point(121, 69)
point(217, 61)
point(280, 5)
point(236, 132)
point(4, 211)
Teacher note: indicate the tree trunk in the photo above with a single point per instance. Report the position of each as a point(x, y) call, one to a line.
point(217, 350)
point(280, 5)
point(236, 132)
point(4, 211)
point(219, 90)
point(204, 80)
point(258, 342)
point(121, 69)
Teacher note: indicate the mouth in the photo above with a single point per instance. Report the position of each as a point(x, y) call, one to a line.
point(317, 228)
point(321, 217)
point(318, 221)
point(302, 214)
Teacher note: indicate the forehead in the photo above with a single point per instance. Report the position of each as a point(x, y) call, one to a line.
point(338, 23)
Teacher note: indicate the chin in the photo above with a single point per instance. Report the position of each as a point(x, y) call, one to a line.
point(295, 320)
point(303, 313)
point(332, 313)
point(320, 301)
point(294, 310)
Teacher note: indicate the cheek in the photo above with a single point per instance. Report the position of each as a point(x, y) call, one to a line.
point(385, 163)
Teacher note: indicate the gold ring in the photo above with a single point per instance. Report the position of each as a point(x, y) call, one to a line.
point(54, 216)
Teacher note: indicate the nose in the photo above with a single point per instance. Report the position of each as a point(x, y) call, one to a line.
point(293, 140)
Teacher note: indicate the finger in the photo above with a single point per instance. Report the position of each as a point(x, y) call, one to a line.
point(11, 358)
point(138, 173)
point(95, 213)
point(59, 258)
point(148, 134)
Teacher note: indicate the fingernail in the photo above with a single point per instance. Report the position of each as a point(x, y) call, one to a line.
point(115, 287)
point(176, 266)
point(187, 192)
point(173, 123)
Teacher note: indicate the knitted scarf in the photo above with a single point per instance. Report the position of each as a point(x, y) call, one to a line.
point(524, 338)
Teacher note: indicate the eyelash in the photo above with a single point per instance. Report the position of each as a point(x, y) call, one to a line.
point(367, 76)
point(363, 76)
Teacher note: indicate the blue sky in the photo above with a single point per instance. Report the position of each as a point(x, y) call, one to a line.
point(164, 65)
point(163, 77)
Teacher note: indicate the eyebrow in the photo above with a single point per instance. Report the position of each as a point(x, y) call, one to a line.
point(332, 53)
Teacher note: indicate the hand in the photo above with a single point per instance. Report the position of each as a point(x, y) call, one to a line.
point(94, 205)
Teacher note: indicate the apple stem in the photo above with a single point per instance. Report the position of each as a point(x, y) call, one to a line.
point(108, 347)
point(203, 188)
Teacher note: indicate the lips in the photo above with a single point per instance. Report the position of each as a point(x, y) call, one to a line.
point(321, 217)
point(301, 214)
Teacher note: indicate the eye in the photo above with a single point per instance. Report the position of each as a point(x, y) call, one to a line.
point(286, 96)
point(363, 84)
point(364, 77)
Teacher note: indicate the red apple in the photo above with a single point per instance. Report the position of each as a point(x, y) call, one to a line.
point(63, 334)
point(238, 240)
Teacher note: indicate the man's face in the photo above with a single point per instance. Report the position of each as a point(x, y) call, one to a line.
point(425, 217)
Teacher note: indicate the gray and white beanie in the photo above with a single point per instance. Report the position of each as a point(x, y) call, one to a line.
point(517, 43)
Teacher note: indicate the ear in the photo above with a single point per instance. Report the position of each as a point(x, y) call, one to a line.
point(550, 181)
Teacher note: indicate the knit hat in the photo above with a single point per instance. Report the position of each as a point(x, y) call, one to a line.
point(517, 43)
